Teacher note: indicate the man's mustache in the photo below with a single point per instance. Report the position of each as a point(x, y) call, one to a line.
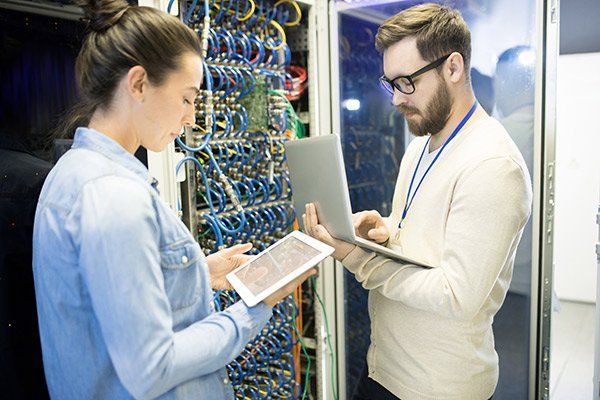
point(407, 109)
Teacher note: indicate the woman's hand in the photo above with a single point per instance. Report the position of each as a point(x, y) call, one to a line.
point(312, 228)
point(289, 288)
point(224, 261)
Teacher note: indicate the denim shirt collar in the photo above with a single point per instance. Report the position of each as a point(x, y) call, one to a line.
point(91, 139)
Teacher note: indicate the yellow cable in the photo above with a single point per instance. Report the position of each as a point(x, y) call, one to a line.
point(250, 13)
point(245, 17)
point(200, 128)
point(298, 11)
point(281, 32)
point(262, 18)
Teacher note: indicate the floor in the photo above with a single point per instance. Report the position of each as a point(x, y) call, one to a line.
point(572, 351)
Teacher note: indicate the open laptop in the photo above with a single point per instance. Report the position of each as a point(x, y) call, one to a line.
point(318, 176)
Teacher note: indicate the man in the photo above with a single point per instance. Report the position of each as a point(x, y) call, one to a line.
point(462, 198)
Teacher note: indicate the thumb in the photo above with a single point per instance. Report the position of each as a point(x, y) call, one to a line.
point(237, 249)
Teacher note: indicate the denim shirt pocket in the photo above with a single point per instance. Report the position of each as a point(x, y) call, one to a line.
point(180, 264)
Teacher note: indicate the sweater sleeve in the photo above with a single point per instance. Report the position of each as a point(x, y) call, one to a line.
point(490, 206)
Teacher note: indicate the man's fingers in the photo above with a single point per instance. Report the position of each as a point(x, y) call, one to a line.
point(321, 233)
point(366, 214)
point(379, 235)
point(372, 214)
point(363, 221)
point(311, 214)
point(375, 232)
point(311, 218)
point(305, 223)
point(358, 219)
point(309, 225)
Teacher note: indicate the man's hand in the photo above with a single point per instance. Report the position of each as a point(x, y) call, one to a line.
point(370, 225)
point(312, 228)
point(224, 261)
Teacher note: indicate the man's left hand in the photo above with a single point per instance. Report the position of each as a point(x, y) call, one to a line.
point(224, 261)
point(319, 232)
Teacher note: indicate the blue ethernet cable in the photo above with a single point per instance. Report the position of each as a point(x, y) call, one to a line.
point(215, 228)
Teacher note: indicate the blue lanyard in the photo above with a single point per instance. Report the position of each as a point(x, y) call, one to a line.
point(408, 203)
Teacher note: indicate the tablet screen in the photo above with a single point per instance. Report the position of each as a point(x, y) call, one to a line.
point(272, 266)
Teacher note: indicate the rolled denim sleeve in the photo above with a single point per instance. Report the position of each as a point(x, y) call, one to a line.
point(120, 266)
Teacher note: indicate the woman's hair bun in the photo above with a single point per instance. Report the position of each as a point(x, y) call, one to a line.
point(102, 14)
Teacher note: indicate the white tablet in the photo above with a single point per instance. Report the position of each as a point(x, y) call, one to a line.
point(276, 266)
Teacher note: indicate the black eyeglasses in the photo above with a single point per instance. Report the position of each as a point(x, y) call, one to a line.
point(405, 83)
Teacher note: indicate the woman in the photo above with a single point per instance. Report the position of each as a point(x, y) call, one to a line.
point(123, 290)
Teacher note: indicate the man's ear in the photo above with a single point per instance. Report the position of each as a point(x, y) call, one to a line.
point(137, 82)
point(455, 67)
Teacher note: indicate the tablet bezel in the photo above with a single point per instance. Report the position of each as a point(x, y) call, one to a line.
point(249, 298)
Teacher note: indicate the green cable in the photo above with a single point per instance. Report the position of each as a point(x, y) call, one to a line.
point(298, 125)
point(203, 234)
point(303, 347)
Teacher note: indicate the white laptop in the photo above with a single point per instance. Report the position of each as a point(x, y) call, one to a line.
point(318, 176)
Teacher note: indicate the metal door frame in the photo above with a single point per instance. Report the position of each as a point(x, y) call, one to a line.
point(543, 199)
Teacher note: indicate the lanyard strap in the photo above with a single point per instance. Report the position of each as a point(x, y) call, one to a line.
point(408, 203)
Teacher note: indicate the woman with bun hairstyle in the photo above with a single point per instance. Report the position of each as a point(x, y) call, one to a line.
point(122, 288)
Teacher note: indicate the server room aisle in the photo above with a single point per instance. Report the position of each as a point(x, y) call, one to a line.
point(572, 351)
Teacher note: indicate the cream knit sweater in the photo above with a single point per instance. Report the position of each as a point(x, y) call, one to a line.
point(431, 328)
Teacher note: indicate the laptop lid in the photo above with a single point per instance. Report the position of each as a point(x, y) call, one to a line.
point(317, 173)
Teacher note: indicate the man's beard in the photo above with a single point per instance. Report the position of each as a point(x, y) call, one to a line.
point(435, 116)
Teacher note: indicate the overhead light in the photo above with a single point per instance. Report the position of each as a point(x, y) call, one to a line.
point(527, 57)
point(351, 104)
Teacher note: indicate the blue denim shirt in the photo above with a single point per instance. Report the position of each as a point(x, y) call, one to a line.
point(123, 293)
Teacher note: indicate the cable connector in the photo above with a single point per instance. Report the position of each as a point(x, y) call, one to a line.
point(204, 36)
point(208, 120)
point(230, 193)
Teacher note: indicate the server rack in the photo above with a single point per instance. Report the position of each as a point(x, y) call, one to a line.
point(325, 23)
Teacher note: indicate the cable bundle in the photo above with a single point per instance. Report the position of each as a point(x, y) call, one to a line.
point(243, 191)
point(298, 84)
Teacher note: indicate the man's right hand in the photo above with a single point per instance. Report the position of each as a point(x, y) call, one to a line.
point(370, 225)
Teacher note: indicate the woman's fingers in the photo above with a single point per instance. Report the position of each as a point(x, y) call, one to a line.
point(289, 288)
point(237, 249)
point(241, 259)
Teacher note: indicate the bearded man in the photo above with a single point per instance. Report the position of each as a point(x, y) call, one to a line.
point(461, 201)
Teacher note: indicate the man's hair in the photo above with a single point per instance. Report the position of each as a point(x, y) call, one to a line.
point(439, 30)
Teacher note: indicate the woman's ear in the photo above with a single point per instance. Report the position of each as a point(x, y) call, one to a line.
point(137, 82)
